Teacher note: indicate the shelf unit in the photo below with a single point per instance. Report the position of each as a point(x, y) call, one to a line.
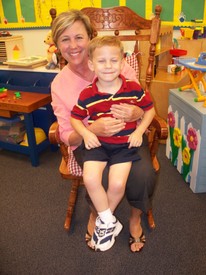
point(7, 47)
point(162, 81)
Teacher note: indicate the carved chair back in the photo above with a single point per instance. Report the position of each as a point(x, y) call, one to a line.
point(138, 34)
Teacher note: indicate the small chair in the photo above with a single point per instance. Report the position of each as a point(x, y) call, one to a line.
point(145, 37)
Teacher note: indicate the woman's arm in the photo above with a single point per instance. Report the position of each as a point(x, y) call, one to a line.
point(127, 112)
point(106, 126)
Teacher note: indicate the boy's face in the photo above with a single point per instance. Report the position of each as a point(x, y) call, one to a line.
point(107, 63)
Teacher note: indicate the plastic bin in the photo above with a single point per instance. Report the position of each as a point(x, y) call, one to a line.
point(12, 130)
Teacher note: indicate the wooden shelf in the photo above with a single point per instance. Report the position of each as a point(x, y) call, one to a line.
point(7, 45)
point(163, 81)
point(162, 50)
point(163, 76)
point(160, 87)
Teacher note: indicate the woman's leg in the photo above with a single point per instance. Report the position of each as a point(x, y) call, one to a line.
point(141, 181)
point(139, 190)
point(136, 243)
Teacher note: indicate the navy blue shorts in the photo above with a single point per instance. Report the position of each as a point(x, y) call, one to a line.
point(110, 153)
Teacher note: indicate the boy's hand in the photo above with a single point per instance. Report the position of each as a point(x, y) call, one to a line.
point(91, 140)
point(135, 139)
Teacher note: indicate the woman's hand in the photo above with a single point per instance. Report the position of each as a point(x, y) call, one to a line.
point(126, 112)
point(106, 126)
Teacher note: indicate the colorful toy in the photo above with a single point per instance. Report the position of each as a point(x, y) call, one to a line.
point(187, 33)
point(202, 59)
point(196, 71)
point(51, 52)
point(17, 95)
point(2, 95)
point(39, 135)
point(3, 92)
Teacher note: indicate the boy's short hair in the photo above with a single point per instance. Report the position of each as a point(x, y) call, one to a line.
point(100, 41)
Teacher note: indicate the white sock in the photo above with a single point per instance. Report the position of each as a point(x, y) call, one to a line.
point(106, 216)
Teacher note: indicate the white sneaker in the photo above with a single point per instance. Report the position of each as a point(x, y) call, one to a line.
point(104, 234)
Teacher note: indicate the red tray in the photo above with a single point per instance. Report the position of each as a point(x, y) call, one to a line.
point(178, 52)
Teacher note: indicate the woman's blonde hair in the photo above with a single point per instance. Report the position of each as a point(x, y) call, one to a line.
point(101, 41)
point(67, 19)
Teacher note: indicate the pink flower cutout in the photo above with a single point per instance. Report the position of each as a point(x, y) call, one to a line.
point(171, 119)
point(192, 138)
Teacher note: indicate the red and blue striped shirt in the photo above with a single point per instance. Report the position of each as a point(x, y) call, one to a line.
point(95, 104)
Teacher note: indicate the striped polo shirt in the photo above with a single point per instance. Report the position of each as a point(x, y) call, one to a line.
point(95, 104)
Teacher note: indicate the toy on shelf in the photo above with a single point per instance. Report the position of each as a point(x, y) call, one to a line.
point(196, 70)
point(186, 33)
point(176, 51)
point(51, 52)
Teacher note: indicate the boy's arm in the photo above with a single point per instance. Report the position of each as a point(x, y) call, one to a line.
point(146, 120)
point(135, 139)
point(90, 139)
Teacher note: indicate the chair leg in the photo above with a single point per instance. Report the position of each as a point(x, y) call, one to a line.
point(71, 203)
point(150, 219)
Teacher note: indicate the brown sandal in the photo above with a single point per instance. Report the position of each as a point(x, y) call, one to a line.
point(141, 239)
point(88, 239)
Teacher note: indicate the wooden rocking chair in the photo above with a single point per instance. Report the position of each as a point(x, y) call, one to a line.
point(144, 36)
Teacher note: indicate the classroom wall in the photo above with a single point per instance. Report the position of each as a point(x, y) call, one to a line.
point(34, 40)
point(35, 13)
point(34, 37)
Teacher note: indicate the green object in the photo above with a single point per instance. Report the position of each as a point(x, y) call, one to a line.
point(9, 8)
point(17, 94)
point(3, 90)
point(167, 13)
point(193, 9)
point(28, 10)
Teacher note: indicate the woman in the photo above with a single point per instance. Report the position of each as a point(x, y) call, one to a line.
point(72, 32)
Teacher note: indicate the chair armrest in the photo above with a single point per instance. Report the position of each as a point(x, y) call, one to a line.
point(161, 127)
point(54, 133)
point(55, 139)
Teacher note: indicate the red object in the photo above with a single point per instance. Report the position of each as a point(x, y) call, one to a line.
point(3, 95)
point(178, 52)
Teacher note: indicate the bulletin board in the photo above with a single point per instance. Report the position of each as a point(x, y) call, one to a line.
point(35, 13)
point(19, 14)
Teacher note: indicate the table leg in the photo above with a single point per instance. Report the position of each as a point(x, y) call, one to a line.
point(33, 152)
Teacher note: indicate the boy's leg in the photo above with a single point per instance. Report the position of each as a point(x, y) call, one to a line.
point(107, 226)
point(92, 176)
point(118, 175)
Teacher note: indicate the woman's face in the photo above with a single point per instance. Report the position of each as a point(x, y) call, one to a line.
point(73, 43)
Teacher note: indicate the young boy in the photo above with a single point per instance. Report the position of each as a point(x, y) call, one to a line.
point(110, 87)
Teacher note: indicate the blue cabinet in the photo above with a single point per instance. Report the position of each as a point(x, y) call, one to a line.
point(30, 81)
